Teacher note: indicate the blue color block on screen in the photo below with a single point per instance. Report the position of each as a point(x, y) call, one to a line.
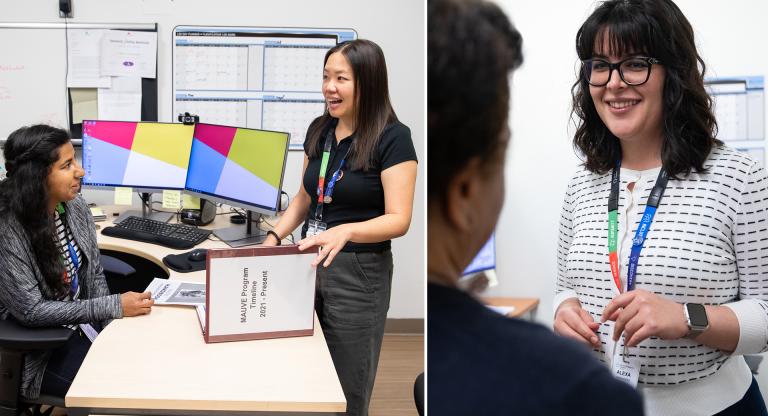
point(105, 162)
point(205, 166)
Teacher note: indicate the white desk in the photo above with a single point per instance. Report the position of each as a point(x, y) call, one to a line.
point(160, 364)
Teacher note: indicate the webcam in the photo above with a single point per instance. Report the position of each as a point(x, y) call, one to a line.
point(189, 119)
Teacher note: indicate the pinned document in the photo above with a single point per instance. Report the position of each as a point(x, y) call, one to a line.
point(129, 53)
point(121, 102)
point(84, 104)
point(83, 59)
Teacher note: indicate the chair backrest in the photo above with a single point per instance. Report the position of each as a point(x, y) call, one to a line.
point(15, 340)
point(418, 393)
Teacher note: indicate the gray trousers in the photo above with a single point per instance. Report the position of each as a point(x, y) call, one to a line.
point(351, 300)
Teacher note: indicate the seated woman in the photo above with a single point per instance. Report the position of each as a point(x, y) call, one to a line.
point(50, 273)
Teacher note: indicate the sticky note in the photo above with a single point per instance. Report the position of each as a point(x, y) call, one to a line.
point(190, 202)
point(123, 196)
point(171, 199)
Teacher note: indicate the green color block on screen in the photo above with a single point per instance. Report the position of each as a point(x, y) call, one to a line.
point(261, 153)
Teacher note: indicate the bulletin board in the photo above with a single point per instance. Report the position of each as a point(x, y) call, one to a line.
point(33, 75)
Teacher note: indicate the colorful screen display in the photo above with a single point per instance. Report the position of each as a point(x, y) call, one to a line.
point(141, 155)
point(485, 258)
point(238, 166)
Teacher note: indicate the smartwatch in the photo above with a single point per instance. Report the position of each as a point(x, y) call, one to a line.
point(696, 318)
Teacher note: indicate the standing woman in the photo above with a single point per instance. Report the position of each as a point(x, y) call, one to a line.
point(663, 249)
point(50, 273)
point(359, 177)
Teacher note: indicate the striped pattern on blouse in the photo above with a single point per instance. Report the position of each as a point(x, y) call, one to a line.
point(62, 239)
point(708, 244)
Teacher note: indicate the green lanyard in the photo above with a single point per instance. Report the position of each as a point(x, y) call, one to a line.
point(324, 194)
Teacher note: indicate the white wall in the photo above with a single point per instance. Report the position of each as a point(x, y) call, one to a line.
point(541, 159)
point(397, 26)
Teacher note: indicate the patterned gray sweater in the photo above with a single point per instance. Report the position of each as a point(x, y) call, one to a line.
point(26, 297)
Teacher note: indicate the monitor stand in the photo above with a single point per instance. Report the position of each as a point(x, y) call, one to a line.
point(145, 211)
point(239, 236)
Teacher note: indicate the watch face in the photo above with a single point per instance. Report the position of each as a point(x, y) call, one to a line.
point(697, 315)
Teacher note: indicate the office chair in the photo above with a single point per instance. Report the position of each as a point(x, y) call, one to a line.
point(15, 340)
point(118, 274)
point(418, 393)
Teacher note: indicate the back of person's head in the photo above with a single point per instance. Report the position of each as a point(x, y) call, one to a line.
point(373, 108)
point(472, 47)
point(29, 154)
point(657, 29)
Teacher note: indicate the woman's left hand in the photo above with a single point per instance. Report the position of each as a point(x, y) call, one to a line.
point(330, 241)
point(641, 314)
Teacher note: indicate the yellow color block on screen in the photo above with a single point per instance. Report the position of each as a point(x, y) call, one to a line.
point(170, 143)
point(261, 153)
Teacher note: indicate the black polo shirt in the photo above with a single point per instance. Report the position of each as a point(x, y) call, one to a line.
point(358, 195)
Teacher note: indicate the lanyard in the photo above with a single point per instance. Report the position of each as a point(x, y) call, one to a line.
point(654, 199)
point(324, 196)
point(73, 256)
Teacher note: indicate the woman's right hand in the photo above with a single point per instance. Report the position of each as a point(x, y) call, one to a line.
point(135, 304)
point(572, 321)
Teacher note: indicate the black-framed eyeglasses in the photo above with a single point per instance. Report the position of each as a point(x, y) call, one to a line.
point(633, 71)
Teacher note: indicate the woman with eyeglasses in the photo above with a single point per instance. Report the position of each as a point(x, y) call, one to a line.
point(663, 248)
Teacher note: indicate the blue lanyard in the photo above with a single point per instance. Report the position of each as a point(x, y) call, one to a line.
point(654, 199)
point(73, 282)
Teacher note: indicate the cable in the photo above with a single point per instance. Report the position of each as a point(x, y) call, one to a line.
point(66, 70)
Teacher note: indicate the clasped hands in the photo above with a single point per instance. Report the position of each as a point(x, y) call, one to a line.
point(639, 314)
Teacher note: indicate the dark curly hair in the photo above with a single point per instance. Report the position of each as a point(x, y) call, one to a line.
point(472, 47)
point(658, 29)
point(29, 155)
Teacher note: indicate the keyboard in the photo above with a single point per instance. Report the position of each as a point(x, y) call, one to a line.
point(176, 236)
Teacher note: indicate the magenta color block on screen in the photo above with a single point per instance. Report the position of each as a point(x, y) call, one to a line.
point(218, 138)
point(119, 133)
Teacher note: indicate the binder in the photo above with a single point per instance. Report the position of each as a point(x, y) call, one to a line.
point(259, 293)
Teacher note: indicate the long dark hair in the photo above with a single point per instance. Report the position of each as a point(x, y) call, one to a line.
point(373, 110)
point(29, 155)
point(472, 47)
point(659, 29)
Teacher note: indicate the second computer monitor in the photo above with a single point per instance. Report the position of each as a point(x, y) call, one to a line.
point(238, 166)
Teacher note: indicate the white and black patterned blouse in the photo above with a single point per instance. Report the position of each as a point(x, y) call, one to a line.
point(708, 244)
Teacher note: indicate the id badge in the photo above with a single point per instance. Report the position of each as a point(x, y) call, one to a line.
point(316, 227)
point(623, 367)
point(89, 331)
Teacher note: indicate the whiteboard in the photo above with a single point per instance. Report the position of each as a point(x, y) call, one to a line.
point(32, 78)
point(33, 86)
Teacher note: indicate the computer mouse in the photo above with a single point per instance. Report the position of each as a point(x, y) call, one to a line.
point(197, 255)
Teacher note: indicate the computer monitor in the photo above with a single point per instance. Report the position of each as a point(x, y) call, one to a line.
point(485, 258)
point(239, 167)
point(146, 156)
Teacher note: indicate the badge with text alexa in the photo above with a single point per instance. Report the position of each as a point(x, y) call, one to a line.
point(259, 292)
